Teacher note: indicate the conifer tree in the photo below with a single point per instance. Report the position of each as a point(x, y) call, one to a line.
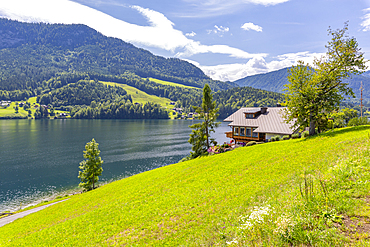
point(91, 168)
point(200, 136)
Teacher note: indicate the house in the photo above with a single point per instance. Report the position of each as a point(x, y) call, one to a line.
point(178, 110)
point(257, 124)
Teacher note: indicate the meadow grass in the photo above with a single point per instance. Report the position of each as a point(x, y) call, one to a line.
point(10, 111)
point(170, 83)
point(139, 96)
point(310, 191)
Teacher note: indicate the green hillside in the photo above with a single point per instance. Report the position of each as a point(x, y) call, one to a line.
point(247, 197)
point(170, 83)
point(275, 81)
point(139, 96)
point(32, 53)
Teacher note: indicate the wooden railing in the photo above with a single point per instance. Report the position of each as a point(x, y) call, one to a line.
point(229, 134)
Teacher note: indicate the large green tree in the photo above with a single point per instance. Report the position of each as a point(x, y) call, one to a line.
point(91, 168)
point(200, 136)
point(315, 91)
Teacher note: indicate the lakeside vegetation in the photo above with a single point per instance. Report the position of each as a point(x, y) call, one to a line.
point(308, 191)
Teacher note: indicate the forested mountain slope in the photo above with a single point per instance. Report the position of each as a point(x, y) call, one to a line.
point(275, 81)
point(31, 53)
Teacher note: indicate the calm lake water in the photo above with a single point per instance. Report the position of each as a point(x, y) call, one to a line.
point(40, 158)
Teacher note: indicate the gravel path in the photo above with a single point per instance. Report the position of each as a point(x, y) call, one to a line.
point(11, 218)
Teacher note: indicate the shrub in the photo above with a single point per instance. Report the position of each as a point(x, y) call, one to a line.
point(358, 121)
point(277, 138)
point(295, 136)
point(304, 134)
point(251, 143)
point(286, 137)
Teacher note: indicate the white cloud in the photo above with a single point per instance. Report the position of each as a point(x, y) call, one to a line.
point(220, 30)
point(160, 32)
point(366, 23)
point(197, 48)
point(250, 26)
point(206, 8)
point(256, 65)
point(192, 34)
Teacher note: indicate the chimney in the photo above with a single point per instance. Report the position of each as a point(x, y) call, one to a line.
point(263, 110)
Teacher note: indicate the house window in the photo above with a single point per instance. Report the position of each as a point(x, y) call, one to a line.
point(248, 115)
point(254, 134)
point(248, 132)
point(236, 131)
point(242, 131)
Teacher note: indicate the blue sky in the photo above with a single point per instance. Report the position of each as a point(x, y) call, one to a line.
point(228, 40)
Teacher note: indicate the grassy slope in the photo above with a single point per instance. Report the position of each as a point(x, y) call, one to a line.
point(10, 111)
point(170, 83)
point(139, 96)
point(195, 202)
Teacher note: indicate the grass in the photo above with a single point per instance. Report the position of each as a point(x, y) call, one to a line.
point(170, 83)
point(247, 197)
point(10, 111)
point(139, 96)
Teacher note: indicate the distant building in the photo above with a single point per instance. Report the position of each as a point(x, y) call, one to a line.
point(178, 110)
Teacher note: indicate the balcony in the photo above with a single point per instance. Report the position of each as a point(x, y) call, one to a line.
point(229, 134)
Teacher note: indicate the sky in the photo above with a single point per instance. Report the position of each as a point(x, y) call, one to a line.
point(228, 40)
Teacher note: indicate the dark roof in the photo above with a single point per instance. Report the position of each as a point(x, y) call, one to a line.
point(269, 122)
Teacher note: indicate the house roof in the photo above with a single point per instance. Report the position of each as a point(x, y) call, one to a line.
point(269, 122)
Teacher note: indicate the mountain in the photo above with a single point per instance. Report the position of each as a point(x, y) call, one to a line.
point(31, 53)
point(275, 81)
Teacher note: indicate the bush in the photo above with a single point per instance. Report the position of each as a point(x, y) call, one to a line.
point(304, 134)
point(359, 121)
point(295, 136)
point(286, 137)
point(251, 143)
point(275, 138)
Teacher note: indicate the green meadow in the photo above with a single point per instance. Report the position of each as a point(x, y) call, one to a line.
point(170, 83)
point(10, 110)
point(304, 192)
point(139, 96)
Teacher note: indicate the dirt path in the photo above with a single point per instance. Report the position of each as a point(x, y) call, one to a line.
point(11, 218)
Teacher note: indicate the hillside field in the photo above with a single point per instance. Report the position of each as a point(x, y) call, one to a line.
point(170, 83)
point(303, 192)
point(139, 96)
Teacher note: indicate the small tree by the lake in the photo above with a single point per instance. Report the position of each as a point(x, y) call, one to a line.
point(91, 167)
point(200, 136)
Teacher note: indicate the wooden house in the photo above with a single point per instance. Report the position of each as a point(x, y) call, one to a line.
point(257, 124)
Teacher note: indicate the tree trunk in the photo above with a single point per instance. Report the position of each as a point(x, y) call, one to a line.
point(311, 130)
point(207, 135)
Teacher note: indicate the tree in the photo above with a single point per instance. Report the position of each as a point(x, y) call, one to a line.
point(91, 168)
point(314, 92)
point(200, 136)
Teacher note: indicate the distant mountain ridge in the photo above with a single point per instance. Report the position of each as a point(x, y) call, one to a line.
point(31, 53)
point(275, 81)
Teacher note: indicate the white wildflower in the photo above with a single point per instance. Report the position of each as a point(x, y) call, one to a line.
point(234, 241)
point(256, 217)
point(284, 226)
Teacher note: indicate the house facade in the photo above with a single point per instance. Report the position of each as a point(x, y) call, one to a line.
point(257, 124)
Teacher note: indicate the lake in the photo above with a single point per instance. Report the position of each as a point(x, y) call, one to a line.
point(40, 158)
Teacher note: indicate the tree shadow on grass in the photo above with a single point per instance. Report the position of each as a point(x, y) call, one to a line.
point(335, 132)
